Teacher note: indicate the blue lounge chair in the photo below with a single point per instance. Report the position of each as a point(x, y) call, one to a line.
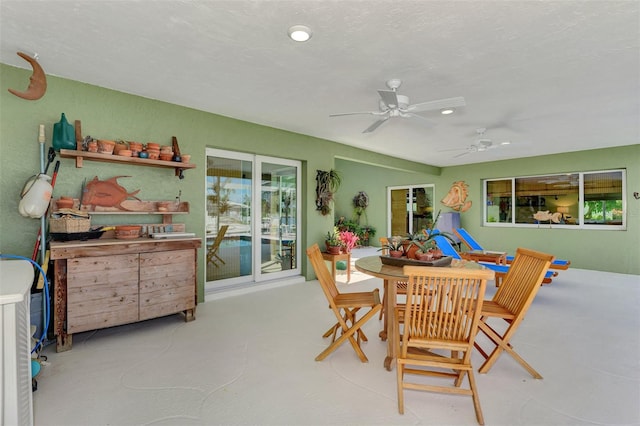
point(470, 242)
point(500, 270)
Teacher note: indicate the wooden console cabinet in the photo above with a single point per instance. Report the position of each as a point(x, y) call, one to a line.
point(106, 282)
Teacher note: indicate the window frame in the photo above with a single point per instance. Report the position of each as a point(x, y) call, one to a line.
point(580, 223)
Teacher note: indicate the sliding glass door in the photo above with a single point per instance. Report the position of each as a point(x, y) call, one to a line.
point(410, 209)
point(253, 214)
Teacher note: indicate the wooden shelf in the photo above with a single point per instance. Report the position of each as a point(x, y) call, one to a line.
point(111, 158)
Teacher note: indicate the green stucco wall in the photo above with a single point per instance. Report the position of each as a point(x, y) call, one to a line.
point(617, 251)
point(115, 115)
point(110, 114)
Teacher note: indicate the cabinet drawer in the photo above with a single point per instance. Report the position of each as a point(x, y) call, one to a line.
point(101, 292)
point(167, 282)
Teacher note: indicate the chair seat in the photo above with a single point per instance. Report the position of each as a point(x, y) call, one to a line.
point(357, 300)
point(493, 309)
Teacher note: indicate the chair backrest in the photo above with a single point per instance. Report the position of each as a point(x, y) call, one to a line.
point(523, 280)
point(322, 273)
point(443, 307)
point(383, 244)
point(467, 239)
point(219, 237)
point(446, 247)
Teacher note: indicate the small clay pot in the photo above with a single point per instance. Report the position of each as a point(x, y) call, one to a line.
point(106, 146)
point(92, 146)
point(120, 146)
point(186, 158)
point(125, 152)
point(64, 203)
point(166, 157)
point(152, 146)
point(163, 206)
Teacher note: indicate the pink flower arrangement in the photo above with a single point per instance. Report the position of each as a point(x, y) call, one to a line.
point(348, 240)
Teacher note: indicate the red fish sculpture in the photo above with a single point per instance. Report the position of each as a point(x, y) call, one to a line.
point(106, 193)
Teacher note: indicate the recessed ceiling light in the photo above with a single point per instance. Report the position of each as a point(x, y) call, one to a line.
point(505, 143)
point(447, 111)
point(300, 33)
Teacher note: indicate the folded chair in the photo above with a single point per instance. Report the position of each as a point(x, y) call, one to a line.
point(401, 286)
point(500, 270)
point(510, 303)
point(442, 314)
point(345, 306)
point(470, 242)
point(212, 251)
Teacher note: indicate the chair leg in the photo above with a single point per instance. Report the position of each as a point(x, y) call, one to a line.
point(400, 368)
point(476, 399)
point(501, 345)
point(347, 334)
point(384, 303)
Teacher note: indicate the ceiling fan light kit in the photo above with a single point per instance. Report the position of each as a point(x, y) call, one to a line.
point(299, 33)
point(392, 104)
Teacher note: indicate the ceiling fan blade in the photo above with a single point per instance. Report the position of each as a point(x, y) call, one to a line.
point(389, 97)
point(439, 104)
point(375, 125)
point(357, 113)
point(424, 120)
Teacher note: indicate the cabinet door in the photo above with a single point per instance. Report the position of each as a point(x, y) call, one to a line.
point(167, 282)
point(101, 292)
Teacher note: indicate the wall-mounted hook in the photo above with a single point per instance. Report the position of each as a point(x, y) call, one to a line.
point(636, 195)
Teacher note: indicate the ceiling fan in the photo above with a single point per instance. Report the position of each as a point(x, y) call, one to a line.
point(391, 104)
point(480, 145)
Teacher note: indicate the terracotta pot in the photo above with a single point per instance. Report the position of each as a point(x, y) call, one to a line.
point(166, 157)
point(64, 203)
point(395, 253)
point(153, 145)
point(411, 252)
point(106, 146)
point(120, 146)
point(186, 158)
point(92, 146)
point(425, 256)
point(163, 206)
point(333, 250)
point(126, 232)
point(124, 152)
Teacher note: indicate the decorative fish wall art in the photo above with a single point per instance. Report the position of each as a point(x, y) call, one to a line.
point(106, 193)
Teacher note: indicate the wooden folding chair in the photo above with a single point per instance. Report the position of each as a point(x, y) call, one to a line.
point(345, 306)
point(212, 251)
point(442, 313)
point(511, 302)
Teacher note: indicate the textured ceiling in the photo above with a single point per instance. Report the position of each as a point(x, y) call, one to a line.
point(550, 76)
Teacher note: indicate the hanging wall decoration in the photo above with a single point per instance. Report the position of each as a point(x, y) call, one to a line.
point(37, 83)
point(327, 183)
point(457, 196)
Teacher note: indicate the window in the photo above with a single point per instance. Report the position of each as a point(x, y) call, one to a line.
point(586, 200)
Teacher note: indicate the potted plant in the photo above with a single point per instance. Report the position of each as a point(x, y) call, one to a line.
point(409, 243)
point(395, 247)
point(427, 245)
point(332, 242)
point(348, 240)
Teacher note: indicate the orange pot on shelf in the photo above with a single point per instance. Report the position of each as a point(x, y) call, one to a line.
point(64, 203)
